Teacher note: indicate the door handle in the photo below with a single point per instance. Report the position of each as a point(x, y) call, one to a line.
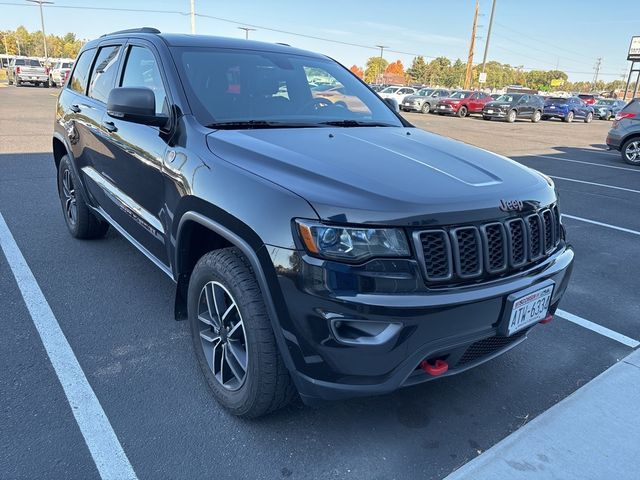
point(75, 108)
point(110, 126)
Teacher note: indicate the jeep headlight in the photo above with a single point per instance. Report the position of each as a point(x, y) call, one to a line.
point(352, 244)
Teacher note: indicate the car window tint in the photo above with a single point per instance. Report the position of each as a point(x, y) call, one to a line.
point(104, 73)
point(78, 81)
point(632, 107)
point(141, 70)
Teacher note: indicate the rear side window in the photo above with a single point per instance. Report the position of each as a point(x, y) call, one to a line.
point(104, 73)
point(78, 81)
point(632, 107)
point(19, 62)
point(141, 70)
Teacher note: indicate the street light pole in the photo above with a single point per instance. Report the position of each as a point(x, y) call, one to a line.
point(246, 31)
point(380, 72)
point(486, 45)
point(44, 34)
point(193, 16)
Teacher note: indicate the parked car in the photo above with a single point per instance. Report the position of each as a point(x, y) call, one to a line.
point(397, 93)
point(511, 106)
point(314, 249)
point(462, 103)
point(376, 88)
point(59, 72)
point(567, 109)
point(587, 98)
point(624, 134)
point(27, 70)
point(607, 108)
point(424, 100)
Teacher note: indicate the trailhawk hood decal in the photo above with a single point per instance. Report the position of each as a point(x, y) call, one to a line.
point(384, 175)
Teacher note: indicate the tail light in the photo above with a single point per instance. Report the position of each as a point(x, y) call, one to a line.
point(622, 115)
point(17, 69)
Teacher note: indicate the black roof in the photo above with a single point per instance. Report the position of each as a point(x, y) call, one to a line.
point(186, 40)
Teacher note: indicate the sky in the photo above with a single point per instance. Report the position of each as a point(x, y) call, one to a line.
point(534, 34)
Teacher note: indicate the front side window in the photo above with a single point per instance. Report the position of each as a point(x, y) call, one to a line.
point(78, 81)
point(104, 73)
point(246, 86)
point(141, 70)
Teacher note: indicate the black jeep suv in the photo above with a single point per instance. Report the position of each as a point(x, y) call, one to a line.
point(324, 248)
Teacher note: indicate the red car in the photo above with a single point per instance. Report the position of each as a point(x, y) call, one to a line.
point(463, 103)
point(587, 98)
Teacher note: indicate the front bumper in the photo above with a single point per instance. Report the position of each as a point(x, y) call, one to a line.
point(495, 113)
point(446, 108)
point(460, 324)
point(411, 107)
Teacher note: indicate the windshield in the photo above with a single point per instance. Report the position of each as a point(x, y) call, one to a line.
point(605, 102)
point(585, 97)
point(460, 95)
point(255, 89)
point(507, 98)
point(390, 90)
point(425, 92)
point(66, 65)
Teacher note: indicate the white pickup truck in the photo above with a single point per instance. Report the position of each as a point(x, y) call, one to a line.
point(27, 70)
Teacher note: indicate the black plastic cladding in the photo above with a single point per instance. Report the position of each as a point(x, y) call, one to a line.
point(469, 252)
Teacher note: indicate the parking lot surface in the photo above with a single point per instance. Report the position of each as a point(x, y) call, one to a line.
point(116, 310)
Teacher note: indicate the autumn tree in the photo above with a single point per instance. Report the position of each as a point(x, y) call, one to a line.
point(356, 70)
point(374, 69)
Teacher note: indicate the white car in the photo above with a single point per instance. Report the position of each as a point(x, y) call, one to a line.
point(397, 93)
point(58, 73)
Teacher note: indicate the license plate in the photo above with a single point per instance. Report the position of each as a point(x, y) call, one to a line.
point(33, 78)
point(552, 107)
point(442, 107)
point(489, 111)
point(528, 308)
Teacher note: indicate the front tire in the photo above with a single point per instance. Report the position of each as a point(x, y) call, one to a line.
point(426, 107)
point(463, 111)
point(486, 117)
point(232, 336)
point(81, 221)
point(607, 116)
point(511, 116)
point(588, 118)
point(631, 151)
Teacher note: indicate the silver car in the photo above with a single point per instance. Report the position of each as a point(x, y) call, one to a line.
point(424, 101)
point(607, 108)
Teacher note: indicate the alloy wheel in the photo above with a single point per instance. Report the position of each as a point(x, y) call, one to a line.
point(222, 335)
point(69, 196)
point(632, 152)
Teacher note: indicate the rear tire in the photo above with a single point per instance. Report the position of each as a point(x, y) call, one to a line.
point(631, 151)
point(81, 221)
point(588, 118)
point(607, 116)
point(568, 117)
point(463, 111)
point(537, 115)
point(244, 370)
point(18, 83)
point(511, 116)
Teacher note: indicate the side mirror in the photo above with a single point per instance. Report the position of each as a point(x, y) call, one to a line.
point(392, 103)
point(133, 104)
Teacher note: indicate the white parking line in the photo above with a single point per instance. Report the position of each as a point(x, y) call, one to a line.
point(628, 169)
point(601, 224)
point(604, 185)
point(594, 327)
point(106, 451)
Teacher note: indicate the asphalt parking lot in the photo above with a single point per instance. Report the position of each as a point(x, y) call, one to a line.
point(115, 309)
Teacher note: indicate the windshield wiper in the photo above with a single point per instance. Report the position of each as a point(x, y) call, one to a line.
point(355, 123)
point(258, 124)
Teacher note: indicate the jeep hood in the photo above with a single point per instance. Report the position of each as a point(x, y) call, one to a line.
point(383, 175)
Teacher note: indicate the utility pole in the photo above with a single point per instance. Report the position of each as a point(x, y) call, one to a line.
point(193, 16)
point(595, 76)
point(467, 77)
point(246, 31)
point(44, 34)
point(486, 45)
point(380, 71)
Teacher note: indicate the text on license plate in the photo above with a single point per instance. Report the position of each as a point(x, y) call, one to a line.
point(489, 111)
point(442, 107)
point(529, 309)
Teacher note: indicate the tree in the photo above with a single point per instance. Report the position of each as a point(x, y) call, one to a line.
point(23, 42)
point(417, 72)
point(374, 69)
point(437, 70)
point(394, 73)
point(357, 71)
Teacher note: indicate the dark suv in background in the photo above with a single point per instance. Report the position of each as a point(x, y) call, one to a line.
point(512, 106)
point(325, 248)
point(625, 133)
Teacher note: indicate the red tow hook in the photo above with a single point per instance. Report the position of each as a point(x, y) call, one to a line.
point(546, 319)
point(434, 369)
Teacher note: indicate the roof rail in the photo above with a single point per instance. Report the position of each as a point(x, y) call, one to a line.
point(134, 30)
